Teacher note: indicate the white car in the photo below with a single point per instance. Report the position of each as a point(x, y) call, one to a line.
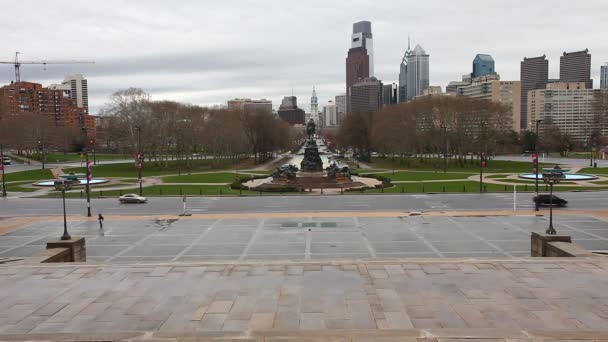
point(132, 198)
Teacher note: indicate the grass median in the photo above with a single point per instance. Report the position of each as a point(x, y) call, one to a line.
point(218, 177)
point(32, 175)
point(436, 164)
point(422, 175)
point(470, 186)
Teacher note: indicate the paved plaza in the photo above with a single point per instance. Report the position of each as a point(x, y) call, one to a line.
point(149, 239)
point(519, 299)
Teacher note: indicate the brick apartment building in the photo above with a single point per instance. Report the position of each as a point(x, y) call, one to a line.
point(28, 97)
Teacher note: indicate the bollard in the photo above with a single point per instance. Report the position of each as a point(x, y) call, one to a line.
point(200, 191)
point(485, 189)
point(505, 188)
point(220, 192)
point(402, 189)
point(100, 193)
point(422, 187)
point(464, 188)
point(160, 191)
point(120, 192)
point(240, 192)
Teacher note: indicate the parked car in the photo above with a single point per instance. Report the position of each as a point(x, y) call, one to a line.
point(6, 161)
point(132, 198)
point(546, 200)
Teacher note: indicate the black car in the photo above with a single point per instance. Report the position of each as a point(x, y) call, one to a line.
point(546, 200)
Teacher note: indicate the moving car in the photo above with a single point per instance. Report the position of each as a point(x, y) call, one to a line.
point(546, 200)
point(6, 161)
point(132, 198)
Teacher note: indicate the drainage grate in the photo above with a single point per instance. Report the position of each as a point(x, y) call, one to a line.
point(329, 224)
point(289, 224)
point(309, 224)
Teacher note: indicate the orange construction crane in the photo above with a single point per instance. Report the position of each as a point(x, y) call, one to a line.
point(17, 63)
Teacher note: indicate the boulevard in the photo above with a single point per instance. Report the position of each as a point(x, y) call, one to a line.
point(14, 206)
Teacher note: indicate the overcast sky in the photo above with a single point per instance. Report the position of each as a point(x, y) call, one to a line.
point(206, 52)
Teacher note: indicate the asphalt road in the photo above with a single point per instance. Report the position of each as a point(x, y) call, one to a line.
point(324, 203)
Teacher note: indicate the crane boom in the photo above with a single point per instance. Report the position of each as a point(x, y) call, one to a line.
point(17, 63)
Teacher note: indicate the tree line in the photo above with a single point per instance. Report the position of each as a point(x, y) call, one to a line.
point(164, 130)
point(460, 126)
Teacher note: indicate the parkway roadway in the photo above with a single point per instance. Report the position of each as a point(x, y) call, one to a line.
point(13, 206)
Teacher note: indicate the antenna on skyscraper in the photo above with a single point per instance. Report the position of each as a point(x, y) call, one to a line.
point(408, 42)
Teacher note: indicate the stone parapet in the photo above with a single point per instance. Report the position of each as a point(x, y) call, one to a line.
point(76, 246)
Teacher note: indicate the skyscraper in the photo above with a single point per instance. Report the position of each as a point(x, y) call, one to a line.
point(403, 74)
point(314, 107)
point(366, 96)
point(604, 76)
point(483, 65)
point(330, 117)
point(340, 107)
point(576, 67)
point(417, 72)
point(534, 74)
point(289, 111)
point(76, 88)
point(360, 60)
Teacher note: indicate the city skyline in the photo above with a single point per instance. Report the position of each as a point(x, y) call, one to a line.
point(167, 57)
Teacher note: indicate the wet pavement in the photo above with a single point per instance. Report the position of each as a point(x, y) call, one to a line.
point(304, 238)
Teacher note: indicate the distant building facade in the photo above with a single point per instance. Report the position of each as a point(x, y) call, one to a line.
point(569, 106)
point(289, 111)
point(76, 88)
point(483, 65)
point(491, 88)
point(576, 67)
point(247, 105)
point(340, 107)
point(360, 57)
point(389, 94)
point(604, 76)
point(330, 115)
point(534, 74)
point(28, 97)
point(366, 96)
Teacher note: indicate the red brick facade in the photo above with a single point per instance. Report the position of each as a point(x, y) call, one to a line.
point(357, 67)
point(28, 97)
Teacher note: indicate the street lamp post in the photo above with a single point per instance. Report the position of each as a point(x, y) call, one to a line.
point(482, 155)
point(537, 122)
point(552, 176)
point(88, 166)
point(41, 145)
point(64, 185)
point(2, 168)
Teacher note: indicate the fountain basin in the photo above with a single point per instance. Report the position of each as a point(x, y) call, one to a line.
point(567, 176)
point(51, 182)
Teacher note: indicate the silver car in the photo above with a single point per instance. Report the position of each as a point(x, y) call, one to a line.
point(132, 198)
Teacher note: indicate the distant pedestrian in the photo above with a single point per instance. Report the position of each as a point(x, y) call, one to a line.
point(100, 218)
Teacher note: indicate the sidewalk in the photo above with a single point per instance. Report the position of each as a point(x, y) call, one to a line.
point(525, 299)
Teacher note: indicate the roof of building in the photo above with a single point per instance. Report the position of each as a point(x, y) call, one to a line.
point(418, 50)
point(484, 58)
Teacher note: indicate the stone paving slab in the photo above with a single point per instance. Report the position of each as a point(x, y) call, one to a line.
point(527, 298)
point(157, 239)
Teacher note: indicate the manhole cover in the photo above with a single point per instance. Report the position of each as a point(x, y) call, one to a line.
point(309, 224)
point(289, 224)
point(329, 224)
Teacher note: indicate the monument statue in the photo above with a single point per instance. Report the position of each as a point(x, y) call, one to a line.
point(310, 128)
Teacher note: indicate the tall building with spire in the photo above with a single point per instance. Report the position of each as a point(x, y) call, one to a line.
point(414, 73)
point(403, 74)
point(314, 107)
point(360, 58)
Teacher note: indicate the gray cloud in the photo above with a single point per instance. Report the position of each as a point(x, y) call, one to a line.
point(205, 52)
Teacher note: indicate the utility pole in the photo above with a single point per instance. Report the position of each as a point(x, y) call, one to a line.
point(2, 168)
point(445, 145)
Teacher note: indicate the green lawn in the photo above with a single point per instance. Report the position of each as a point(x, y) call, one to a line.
point(494, 166)
point(70, 157)
point(28, 175)
point(361, 171)
point(18, 187)
point(150, 169)
point(220, 177)
point(595, 170)
point(600, 182)
point(418, 176)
